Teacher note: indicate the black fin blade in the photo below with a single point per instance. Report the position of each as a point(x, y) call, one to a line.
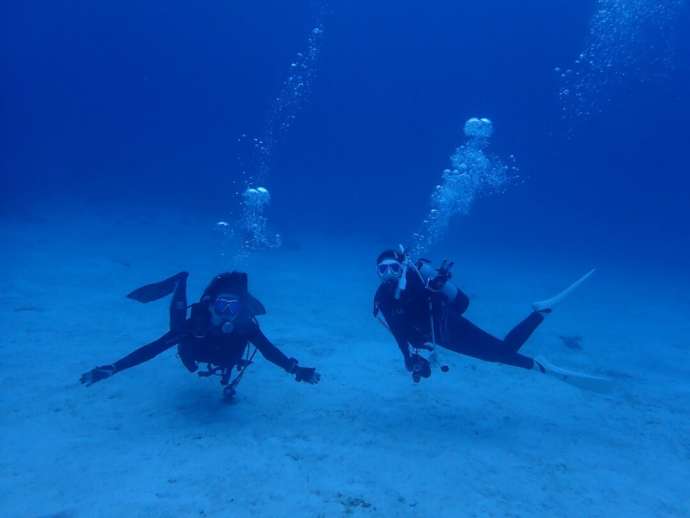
point(155, 291)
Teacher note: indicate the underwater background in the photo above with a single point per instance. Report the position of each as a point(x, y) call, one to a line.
point(146, 103)
point(130, 133)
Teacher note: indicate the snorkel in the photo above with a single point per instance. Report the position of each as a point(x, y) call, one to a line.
point(402, 283)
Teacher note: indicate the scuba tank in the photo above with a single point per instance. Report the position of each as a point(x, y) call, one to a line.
point(428, 273)
point(438, 281)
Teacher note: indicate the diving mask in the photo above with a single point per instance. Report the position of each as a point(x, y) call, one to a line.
point(227, 307)
point(389, 269)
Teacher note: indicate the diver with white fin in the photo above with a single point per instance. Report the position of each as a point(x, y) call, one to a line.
point(423, 310)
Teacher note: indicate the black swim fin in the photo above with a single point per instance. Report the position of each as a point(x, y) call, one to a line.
point(157, 290)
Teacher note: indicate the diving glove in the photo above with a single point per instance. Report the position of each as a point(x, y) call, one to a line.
point(307, 374)
point(97, 374)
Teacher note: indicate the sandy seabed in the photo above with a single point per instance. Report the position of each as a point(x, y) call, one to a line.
point(480, 440)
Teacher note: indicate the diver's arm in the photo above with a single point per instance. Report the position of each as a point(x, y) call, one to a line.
point(148, 351)
point(270, 351)
point(397, 328)
point(414, 363)
point(141, 355)
point(276, 356)
point(403, 345)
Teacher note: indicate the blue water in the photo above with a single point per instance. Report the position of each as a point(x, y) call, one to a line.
point(128, 131)
point(102, 100)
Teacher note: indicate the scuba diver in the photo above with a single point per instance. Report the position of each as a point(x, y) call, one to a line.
point(218, 332)
point(422, 309)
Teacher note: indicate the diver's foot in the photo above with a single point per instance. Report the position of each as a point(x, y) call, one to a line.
point(546, 306)
point(541, 307)
point(577, 379)
point(536, 366)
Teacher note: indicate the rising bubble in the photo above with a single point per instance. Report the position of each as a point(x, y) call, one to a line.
point(628, 40)
point(473, 172)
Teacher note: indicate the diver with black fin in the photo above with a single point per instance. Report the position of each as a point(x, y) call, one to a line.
point(218, 332)
point(422, 309)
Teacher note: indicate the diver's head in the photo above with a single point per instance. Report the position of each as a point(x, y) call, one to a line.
point(390, 265)
point(225, 309)
point(227, 297)
point(227, 282)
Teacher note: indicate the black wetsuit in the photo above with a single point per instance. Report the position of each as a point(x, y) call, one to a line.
point(410, 315)
point(205, 343)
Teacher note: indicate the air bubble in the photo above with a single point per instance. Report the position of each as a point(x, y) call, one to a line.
point(474, 173)
point(250, 229)
point(625, 37)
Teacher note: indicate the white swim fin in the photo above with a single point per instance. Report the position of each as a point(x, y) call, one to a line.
point(577, 379)
point(547, 305)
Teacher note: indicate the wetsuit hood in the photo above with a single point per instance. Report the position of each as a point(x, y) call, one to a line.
point(236, 283)
point(390, 254)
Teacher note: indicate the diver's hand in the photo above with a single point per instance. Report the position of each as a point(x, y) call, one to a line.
point(307, 374)
point(420, 368)
point(443, 274)
point(97, 374)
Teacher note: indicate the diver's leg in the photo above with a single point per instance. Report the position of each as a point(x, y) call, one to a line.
point(178, 304)
point(517, 336)
point(466, 338)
